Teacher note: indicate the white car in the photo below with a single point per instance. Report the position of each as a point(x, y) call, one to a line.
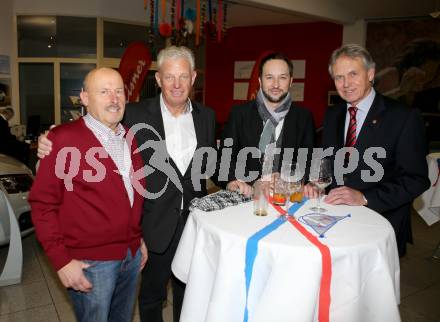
point(15, 182)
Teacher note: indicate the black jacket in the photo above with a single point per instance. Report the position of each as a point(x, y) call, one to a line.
point(400, 131)
point(245, 125)
point(162, 208)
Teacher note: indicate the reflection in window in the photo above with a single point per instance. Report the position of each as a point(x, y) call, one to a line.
point(36, 96)
point(71, 82)
point(117, 36)
point(149, 88)
point(61, 36)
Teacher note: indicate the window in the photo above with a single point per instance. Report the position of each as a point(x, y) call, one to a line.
point(36, 96)
point(71, 82)
point(117, 36)
point(150, 87)
point(61, 36)
point(56, 52)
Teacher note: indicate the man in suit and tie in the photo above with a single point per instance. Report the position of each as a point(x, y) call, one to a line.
point(370, 120)
point(271, 119)
point(168, 129)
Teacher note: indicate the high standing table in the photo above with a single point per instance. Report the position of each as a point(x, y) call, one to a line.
point(428, 204)
point(287, 271)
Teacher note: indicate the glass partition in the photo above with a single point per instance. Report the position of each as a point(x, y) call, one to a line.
point(117, 36)
point(56, 36)
point(71, 82)
point(36, 96)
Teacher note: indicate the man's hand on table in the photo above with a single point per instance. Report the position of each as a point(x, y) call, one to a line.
point(346, 196)
point(239, 186)
point(310, 191)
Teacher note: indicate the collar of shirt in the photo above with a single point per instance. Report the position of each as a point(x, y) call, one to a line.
point(4, 117)
point(363, 108)
point(102, 130)
point(365, 104)
point(166, 111)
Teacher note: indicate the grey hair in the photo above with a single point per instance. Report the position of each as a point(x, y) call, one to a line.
point(174, 52)
point(352, 51)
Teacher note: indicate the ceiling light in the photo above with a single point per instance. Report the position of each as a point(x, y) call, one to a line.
point(51, 42)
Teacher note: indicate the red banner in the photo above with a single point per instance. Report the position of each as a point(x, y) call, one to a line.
point(133, 68)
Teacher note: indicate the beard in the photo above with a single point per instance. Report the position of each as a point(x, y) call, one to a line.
point(274, 99)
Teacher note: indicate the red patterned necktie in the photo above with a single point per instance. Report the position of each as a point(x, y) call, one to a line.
point(350, 139)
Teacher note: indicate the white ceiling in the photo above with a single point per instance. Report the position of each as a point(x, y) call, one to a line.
point(253, 12)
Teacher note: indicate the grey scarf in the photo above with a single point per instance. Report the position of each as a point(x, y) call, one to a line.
point(271, 118)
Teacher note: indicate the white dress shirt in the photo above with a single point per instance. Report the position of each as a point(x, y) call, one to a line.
point(362, 110)
point(116, 146)
point(180, 135)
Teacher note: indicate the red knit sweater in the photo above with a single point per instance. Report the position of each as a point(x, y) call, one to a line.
point(84, 220)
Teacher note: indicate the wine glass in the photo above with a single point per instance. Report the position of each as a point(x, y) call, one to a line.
point(321, 177)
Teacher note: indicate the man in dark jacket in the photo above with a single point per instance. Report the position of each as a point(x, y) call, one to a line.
point(270, 120)
point(369, 120)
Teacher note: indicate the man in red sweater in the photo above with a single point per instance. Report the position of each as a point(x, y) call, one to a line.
point(86, 205)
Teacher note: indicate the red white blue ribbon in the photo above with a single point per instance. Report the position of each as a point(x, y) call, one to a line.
point(252, 251)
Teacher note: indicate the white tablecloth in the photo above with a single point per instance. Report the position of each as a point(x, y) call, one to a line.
point(286, 277)
point(428, 204)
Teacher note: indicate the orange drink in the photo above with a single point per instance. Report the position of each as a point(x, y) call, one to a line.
point(296, 196)
point(279, 199)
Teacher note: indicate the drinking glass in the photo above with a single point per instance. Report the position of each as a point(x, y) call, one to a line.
point(293, 176)
point(321, 177)
point(279, 190)
point(296, 191)
point(261, 197)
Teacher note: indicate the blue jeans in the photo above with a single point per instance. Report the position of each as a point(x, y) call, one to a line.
point(113, 294)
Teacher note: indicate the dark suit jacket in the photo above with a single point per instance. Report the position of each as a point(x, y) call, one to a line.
point(10, 145)
point(245, 125)
point(400, 131)
point(161, 211)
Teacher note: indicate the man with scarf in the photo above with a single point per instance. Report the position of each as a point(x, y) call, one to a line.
point(270, 121)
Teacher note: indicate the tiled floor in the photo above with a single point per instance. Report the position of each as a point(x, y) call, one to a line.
point(40, 296)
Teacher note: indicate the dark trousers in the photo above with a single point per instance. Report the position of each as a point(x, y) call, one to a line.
point(155, 277)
